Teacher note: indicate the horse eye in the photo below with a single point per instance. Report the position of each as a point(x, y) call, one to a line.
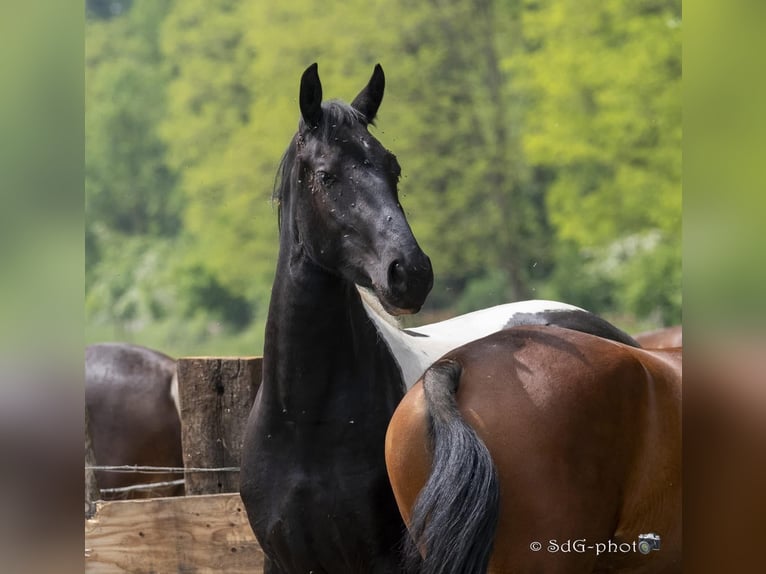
point(325, 178)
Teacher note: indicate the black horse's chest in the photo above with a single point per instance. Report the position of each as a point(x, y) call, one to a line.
point(311, 514)
point(314, 480)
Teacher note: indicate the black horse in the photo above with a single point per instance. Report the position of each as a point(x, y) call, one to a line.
point(313, 479)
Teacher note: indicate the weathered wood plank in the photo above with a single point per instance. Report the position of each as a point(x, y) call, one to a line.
point(192, 534)
point(216, 395)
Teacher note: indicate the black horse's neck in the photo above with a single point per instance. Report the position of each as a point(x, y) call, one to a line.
point(313, 476)
point(323, 358)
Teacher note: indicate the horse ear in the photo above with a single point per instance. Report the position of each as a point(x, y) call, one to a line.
point(311, 96)
point(368, 100)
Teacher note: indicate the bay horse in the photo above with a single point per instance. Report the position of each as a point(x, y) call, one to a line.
point(132, 395)
point(663, 338)
point(513, 445)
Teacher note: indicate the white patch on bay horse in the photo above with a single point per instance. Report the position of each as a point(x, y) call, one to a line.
point(417, 348)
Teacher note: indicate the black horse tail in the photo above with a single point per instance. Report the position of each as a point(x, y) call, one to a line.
point(455, 516)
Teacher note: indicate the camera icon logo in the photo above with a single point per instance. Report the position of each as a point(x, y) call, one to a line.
point(648, 542)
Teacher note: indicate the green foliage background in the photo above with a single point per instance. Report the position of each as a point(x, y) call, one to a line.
point(540, 142)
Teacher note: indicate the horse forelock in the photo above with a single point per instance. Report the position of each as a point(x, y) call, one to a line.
point(335, 114)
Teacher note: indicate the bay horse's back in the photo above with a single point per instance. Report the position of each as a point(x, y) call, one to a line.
point(584, 435)
point(133, 417)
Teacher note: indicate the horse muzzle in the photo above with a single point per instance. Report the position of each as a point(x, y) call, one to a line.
point(408, 281)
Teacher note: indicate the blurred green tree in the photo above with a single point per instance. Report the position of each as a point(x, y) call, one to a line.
point(605, 79)
point(133, 208)
point(539, 140)
point(129, 186)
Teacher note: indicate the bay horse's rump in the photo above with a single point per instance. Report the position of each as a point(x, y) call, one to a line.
point(584, 434)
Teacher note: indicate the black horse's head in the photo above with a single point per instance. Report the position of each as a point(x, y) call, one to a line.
point(343, 205)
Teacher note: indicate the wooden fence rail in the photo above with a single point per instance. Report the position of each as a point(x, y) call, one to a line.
point(189, 534)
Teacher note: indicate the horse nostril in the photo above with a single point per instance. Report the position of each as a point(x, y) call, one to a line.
point(397, 277)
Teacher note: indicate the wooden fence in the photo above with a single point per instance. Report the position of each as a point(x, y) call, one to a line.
point(207, 530)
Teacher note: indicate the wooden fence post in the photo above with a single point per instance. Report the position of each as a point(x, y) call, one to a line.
point(216, 395)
